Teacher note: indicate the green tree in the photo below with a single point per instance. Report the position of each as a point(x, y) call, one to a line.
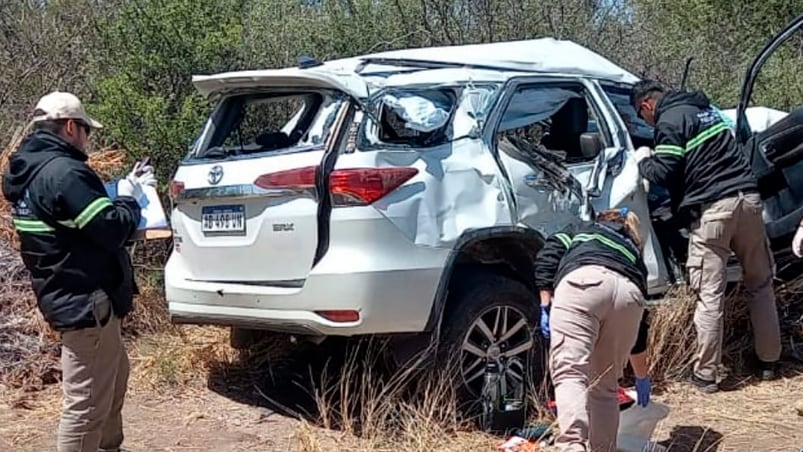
point(723, 37)
point(151, 49)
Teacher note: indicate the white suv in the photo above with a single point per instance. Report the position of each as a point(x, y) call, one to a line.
point(404, 193)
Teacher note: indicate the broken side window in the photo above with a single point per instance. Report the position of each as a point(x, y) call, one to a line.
point(416, 118)
point(557, 118)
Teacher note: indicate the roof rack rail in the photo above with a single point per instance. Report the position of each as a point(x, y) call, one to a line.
point(425, 64)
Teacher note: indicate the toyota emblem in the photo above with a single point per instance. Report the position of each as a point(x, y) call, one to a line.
point(215, 175)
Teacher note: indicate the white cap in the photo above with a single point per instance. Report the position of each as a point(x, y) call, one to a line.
point(61, 105)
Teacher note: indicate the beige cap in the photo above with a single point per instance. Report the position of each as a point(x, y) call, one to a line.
point(61, 105)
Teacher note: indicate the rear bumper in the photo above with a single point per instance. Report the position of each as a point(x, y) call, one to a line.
point(290, 322)
point(397, 301)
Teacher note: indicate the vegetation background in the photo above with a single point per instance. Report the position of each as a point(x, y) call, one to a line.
point(132, 60)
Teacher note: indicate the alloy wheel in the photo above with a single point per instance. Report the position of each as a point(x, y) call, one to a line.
point(499, 335)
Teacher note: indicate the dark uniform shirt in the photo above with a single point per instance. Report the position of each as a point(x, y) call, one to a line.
point(72, 235)
point(696, 156)
point(603, 244)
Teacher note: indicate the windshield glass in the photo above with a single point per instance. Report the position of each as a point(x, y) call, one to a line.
point(268, 122)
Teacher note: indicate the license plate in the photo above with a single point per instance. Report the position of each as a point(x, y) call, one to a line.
point(223, 219)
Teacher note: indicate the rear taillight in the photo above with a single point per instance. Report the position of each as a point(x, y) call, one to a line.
point(349, 187)
point(368, 185)
point(298, 179)
point(176, 187)
point(340, 316)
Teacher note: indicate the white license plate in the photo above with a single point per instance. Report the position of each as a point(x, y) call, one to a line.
point(223, 219)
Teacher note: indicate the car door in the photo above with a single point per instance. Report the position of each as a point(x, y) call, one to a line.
point(547, 191)
point(776, 155)
point(617, 183)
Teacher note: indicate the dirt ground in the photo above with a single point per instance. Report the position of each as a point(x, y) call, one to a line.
point(227, 413)
point(754, 418)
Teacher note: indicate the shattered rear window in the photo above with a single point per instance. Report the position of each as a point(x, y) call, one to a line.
point(268, 122)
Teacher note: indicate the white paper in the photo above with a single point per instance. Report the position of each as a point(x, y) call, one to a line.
point(153, 214)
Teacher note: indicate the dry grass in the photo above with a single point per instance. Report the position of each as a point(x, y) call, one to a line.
point(357, 405)
point(411, 409)
point(179, 357)
point(672, 338)
point(28, 349)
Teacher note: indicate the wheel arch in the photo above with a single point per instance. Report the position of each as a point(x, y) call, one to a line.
point(508, 250)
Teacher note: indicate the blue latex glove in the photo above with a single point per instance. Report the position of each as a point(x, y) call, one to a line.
point(643, 389)
point(545, 321)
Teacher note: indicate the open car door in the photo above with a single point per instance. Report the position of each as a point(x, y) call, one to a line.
point(776, 155)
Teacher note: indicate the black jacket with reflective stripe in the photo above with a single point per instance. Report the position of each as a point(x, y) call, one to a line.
point(696, 156)
point(603, 244)
point(72, 235)
point(589, 243)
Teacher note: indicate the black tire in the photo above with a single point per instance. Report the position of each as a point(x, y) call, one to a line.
point(482, 296)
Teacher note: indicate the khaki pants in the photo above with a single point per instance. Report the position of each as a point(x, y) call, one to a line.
point(95, 375)
point(594, 323)
point(736, 224)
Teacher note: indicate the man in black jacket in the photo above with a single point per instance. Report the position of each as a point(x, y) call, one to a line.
point(713, 188)
point(73, 239)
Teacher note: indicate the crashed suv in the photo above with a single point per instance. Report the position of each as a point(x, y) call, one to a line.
point(406, 194)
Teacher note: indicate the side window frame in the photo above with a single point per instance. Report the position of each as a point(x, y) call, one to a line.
point(363, 144)
point(605, 89)
point(515, 85)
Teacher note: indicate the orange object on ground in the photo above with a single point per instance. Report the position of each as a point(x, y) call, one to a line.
point(518, 444)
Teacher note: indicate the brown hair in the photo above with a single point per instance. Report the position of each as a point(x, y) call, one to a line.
point(630, 222)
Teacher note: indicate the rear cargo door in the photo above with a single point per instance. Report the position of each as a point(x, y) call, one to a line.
point(252, 201)
point(776, 154)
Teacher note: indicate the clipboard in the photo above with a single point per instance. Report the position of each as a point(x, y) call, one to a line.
point(153, 224)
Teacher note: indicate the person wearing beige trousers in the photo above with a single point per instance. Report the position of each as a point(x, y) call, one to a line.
point(715, 193)
point(592, 282)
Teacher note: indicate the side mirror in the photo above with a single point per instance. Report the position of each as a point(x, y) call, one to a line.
point(591, 145)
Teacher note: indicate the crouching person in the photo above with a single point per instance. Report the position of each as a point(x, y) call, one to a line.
point(594, 276)
point(72, 240)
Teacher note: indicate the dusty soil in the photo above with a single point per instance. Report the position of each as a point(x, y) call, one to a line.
point(755, 417)
point(203, 422)
point(758, 416)
point(210, 422)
